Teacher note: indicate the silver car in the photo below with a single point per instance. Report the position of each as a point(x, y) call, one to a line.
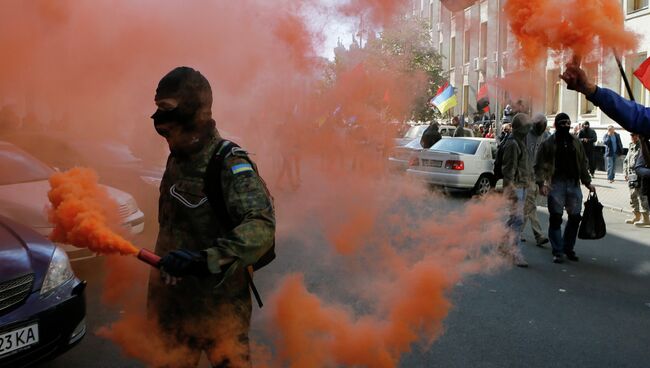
point(400, 155)
point(23, 196)
point(460, 163)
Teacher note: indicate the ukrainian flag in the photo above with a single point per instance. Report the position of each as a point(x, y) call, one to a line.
point(445, 99)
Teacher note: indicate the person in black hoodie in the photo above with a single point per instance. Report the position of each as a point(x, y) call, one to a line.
point(430, 136)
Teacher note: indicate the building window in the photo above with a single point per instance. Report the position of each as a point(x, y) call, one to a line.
point(484, 39)
point(452, 53)
point(553, 91)
point(466, 47)
point(431, 15)
point(632, 63)
point(465, 100)
point(586, 107)
point(636, 5)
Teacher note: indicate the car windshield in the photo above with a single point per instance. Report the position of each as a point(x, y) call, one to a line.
point(414, 144)
point(457, 145)
point(415, 131)
point(17, 166)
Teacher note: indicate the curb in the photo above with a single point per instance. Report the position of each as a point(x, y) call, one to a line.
point(616, 209)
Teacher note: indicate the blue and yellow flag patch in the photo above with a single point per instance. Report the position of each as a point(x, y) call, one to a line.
point(238, 169)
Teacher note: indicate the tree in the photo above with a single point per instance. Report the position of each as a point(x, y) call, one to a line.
point(404, 51)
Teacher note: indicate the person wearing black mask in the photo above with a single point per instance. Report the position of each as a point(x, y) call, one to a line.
point(560, 166)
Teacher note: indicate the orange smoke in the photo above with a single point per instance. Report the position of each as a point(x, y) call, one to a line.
point(577, 25)
point(313, 334)
point(396, 248)
point(80, 213)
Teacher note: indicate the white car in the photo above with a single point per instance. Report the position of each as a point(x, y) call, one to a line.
point(23, 196)
point(414, 132)
point(460, 163)
point(400, 155)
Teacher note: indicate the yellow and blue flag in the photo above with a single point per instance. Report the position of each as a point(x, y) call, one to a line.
point(445, 99)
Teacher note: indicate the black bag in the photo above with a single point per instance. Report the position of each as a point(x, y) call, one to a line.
point(592, 226)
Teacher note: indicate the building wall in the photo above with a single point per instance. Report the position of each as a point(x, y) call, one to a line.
point(467, 78)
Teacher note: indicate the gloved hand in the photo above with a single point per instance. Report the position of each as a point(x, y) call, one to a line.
point(184, 262)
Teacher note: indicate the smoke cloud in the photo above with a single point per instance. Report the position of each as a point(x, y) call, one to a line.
point(80, 212)
point(579, 26)
point(366, 259)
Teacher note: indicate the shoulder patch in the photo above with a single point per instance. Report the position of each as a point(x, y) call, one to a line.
point(241, 168)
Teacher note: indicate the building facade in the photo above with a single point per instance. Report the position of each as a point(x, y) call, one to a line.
point(477, 47)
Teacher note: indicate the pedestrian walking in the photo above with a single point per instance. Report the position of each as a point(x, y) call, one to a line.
point(588, 137)
point(613, 149)
point(534, 140)
point(638, 200)
point(516, 175)
point(560, 167)
point(216, 223)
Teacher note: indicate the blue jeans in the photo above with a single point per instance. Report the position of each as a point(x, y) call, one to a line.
point(611, 167)
point(564, 194)
point(516, 218)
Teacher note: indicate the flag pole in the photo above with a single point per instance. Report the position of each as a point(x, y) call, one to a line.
point(625, 80)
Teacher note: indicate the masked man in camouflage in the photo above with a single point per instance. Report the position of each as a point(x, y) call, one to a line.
point(200, 297)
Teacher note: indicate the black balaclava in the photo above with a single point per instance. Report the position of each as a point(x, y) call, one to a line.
point(192, 92)
point(521, 126)
point(562, 131)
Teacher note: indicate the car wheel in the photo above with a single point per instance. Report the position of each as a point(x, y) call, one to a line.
point(483, 185)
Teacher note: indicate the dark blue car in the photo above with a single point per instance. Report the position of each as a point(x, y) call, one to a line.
point(42, 303)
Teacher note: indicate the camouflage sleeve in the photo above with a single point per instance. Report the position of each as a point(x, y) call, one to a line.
point(251, 210)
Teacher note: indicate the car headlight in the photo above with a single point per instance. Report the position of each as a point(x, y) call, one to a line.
point(58, 272)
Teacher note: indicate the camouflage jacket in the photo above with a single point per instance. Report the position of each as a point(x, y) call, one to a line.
point(187, 220)
point(630, 159)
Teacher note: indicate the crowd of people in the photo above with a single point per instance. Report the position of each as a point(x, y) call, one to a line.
point(556, 165)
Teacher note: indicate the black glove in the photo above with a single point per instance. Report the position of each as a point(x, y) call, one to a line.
point(183, 262)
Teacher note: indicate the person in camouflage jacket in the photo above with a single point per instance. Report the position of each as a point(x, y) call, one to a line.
point(200, 298)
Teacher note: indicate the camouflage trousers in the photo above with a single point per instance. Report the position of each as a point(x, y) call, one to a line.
point(192, 321)
point(638, 201)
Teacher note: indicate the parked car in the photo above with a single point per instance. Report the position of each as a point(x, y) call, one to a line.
point(114, 161)
point(42, 303)
point(399, 157)
point(448, 131)
point(414, 132)
point(23, 196)
point(461, 163)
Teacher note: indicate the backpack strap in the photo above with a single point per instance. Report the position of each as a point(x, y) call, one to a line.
point(214, 193)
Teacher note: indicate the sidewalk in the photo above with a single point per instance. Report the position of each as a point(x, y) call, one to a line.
point(615, 196)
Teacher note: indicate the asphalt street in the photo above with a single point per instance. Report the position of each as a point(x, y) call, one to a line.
point(593, 313)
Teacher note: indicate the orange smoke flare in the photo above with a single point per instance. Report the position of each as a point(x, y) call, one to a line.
point(577, 25)
point(80, 213)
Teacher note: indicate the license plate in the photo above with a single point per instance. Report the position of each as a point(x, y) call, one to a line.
point(432, 163)
point(18, 339)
